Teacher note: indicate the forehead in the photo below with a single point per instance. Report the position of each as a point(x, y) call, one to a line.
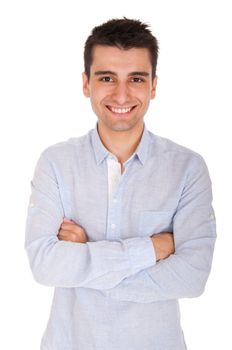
point(114, 58)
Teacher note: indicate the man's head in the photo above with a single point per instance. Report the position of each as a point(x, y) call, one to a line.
point(124, 34)
point(120, 73)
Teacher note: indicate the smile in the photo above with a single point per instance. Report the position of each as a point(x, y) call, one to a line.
point(120, 110)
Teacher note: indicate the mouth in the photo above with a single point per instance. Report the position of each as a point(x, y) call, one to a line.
point(121, 111)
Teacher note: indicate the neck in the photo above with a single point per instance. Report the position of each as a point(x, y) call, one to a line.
point(121, 143)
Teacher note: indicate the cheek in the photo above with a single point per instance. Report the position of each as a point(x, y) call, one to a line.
point(97, 102)
point(98, 94)
point(144, 97)
point(143, 93)
point(95, 97)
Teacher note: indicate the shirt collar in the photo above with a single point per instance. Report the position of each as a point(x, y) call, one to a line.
point(101, 152)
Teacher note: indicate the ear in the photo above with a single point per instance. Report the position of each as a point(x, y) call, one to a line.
point(85, 85)
point(153, 88)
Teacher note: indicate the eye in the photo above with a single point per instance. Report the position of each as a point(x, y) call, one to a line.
point(137, 80)
point(106, 79)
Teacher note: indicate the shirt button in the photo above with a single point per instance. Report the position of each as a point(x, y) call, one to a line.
point(113, 226)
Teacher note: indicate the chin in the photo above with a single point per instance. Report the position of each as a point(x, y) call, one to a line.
point(121, 126)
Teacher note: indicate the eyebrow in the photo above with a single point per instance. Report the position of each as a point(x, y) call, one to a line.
point(144, 74)
point(105, 72)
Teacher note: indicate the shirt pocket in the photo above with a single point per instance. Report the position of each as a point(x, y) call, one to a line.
point(151, 222)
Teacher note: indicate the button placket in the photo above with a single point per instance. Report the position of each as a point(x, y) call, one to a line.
point(114, 215)
point(116, 184)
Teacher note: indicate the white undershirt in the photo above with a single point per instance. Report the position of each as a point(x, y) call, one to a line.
point(114, 173)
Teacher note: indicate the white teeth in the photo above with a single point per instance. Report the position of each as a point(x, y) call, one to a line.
point(120, 110)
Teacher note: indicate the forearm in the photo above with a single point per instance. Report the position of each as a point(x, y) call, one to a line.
point(182, 275)
point(99, 265)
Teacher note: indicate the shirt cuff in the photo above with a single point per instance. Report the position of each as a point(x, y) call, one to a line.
point(141, 252)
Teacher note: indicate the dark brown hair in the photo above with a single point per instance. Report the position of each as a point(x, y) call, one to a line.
point(125, 34)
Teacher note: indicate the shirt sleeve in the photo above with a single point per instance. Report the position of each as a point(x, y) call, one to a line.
point(185, 273)
point(99, 265)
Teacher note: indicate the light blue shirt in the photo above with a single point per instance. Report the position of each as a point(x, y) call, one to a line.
point(110, 293)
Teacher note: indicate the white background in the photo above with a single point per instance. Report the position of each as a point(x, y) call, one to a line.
point(42, 103)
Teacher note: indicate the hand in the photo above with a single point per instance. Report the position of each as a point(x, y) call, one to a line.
point(72, 232)
point(163, 244)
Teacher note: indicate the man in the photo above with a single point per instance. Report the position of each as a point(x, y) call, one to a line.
point(120, 220)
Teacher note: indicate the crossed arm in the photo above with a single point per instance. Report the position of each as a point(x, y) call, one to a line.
point(163, 243)
point(132, 269)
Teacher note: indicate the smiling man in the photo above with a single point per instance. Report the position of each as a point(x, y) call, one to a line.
point(120, 220)
point(120, 85)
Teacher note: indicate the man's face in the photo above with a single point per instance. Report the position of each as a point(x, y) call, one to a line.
point(120, 86)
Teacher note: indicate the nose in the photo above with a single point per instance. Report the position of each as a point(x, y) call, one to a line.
point(121, 93)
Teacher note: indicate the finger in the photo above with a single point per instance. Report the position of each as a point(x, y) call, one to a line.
point(67, 226)
point(67, 236)
point(64, 238)
point(63, 232)
point(70, 227)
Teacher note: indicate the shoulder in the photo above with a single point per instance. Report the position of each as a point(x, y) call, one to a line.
point(174, 152)
point(68, 149)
